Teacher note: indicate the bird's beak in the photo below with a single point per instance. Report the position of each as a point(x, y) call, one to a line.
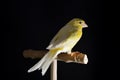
point(84, 25)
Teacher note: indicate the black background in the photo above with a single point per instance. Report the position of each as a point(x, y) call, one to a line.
point(31, 24)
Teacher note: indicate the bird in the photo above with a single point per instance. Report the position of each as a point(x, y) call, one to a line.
point(63, 42)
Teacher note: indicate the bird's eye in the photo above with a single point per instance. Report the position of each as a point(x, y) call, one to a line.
point(80, 22)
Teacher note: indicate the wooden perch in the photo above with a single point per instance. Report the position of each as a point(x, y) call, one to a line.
point(75, 57)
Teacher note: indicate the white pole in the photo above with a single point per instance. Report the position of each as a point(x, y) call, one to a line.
point(54, 70)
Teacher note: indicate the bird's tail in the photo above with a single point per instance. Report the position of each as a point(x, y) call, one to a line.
point(45, 62)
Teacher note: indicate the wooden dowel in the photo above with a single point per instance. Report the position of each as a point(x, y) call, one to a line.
point(75, 57)
point(54, 70)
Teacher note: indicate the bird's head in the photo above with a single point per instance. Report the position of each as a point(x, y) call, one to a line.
point(78, 22)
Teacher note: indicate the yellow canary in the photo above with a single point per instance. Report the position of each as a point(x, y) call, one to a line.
point(64, 41)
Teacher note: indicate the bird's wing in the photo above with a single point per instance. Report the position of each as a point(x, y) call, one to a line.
point(61, 37)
